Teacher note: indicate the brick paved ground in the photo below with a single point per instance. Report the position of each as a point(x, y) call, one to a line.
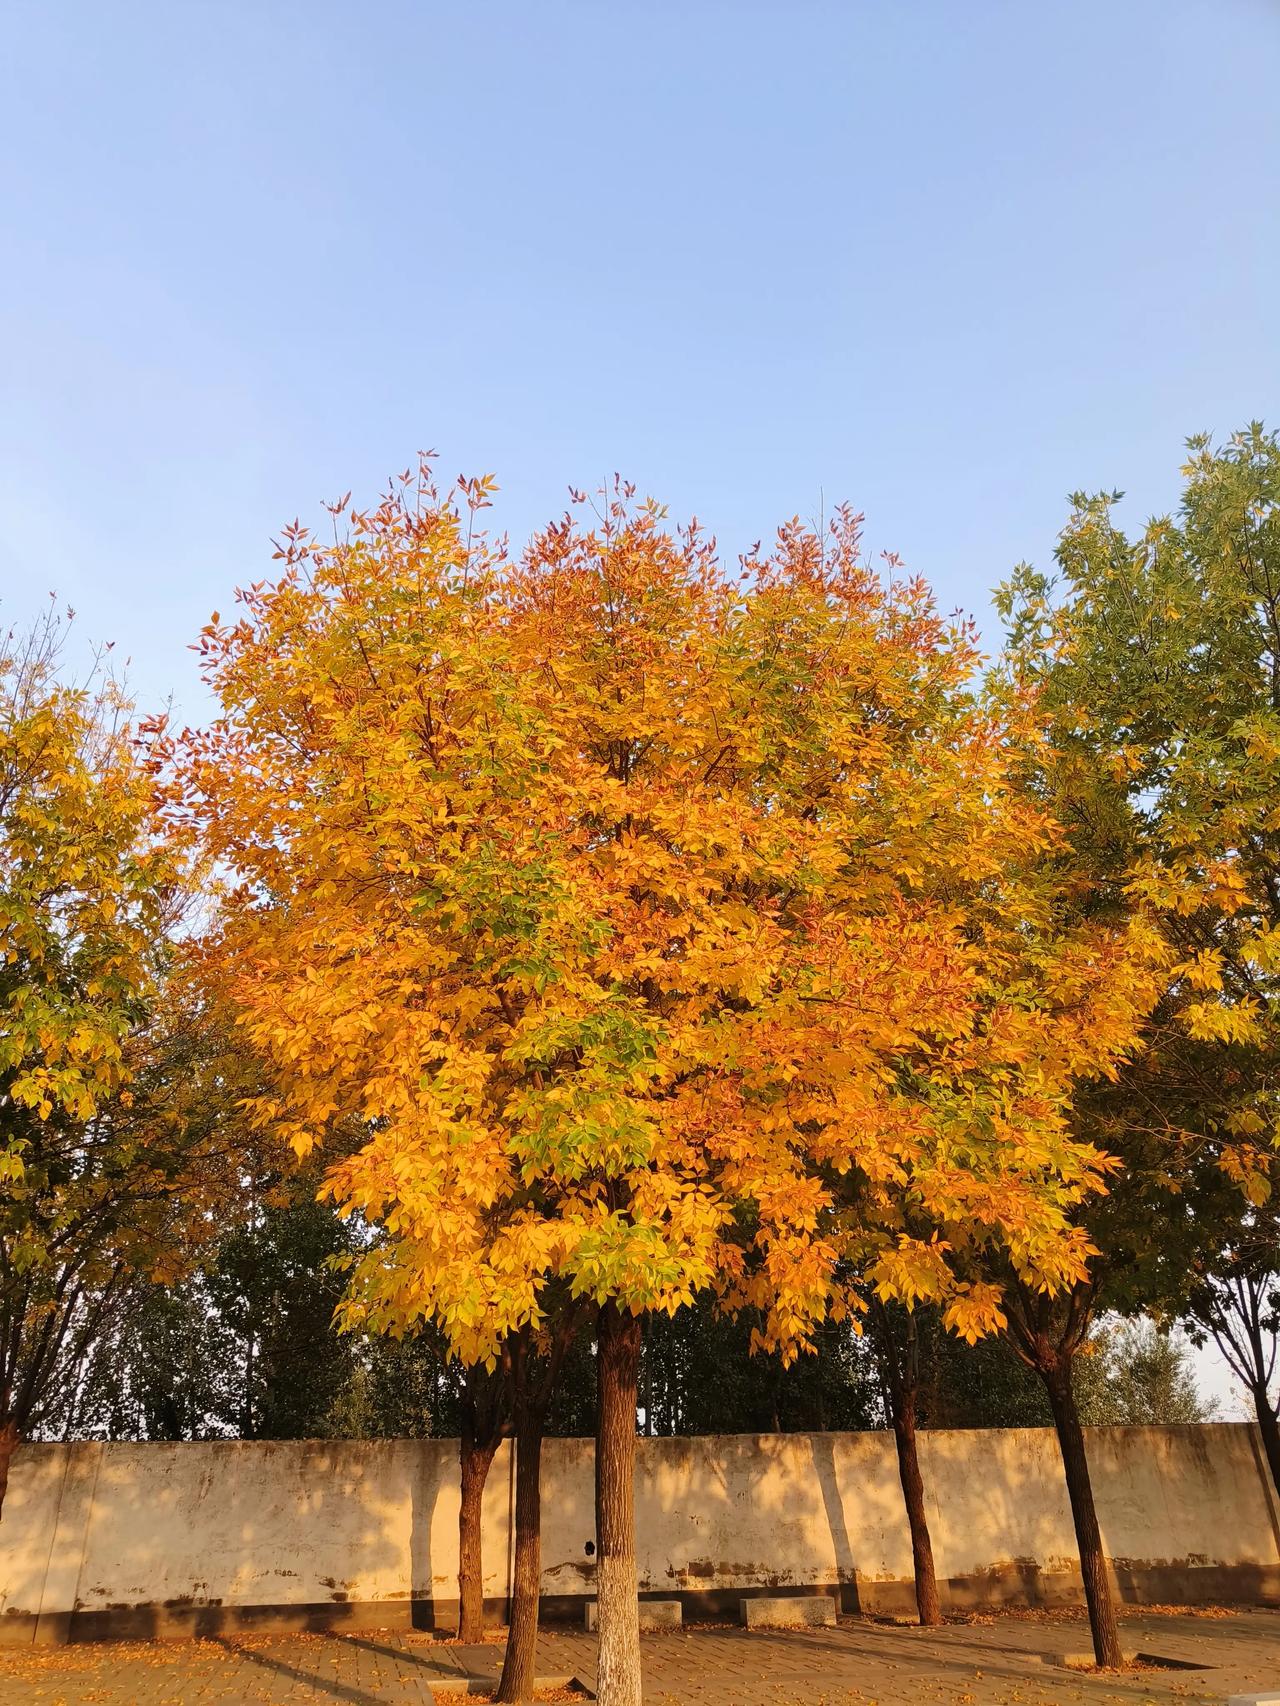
point(996, 1663)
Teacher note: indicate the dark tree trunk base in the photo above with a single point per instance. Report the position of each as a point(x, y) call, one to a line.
point(520, 1658)
point(1093, 1563)
point(475, 1461)
point(928, 1604)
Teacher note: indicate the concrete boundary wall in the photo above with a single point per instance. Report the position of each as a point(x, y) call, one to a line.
point(107, 1540)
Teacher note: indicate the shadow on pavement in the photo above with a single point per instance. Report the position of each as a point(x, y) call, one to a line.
point(434, 1665)
point(324, 1686)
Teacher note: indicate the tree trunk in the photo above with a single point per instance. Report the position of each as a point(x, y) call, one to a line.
point(1268, 1427)
point(518, 1663)
point(8, 1441)
point(1093, 1564)
point(617, 1598)
point(904, 1435)
point(476, 1459)
point(896, 1342)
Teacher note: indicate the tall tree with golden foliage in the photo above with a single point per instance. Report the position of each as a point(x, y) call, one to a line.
point(628, 906)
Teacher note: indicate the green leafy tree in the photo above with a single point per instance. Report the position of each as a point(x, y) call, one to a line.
point(397, 1389)
point(980, 1385)
point(242, 1346)
point(161, 1370)
point(113, 1135)
point(699, 1375)
point(1129, 1373)
point(274, 1286)
point(1136, 1375)
point(1157, 662)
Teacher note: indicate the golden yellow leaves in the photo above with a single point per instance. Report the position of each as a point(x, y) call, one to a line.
point(85, 878)
point(641, 929)
point(1249, 1168)
point(1203, 971)
point(911, 1270)
point(1262, 949)
point(1236, 1022)
point(974, 1311)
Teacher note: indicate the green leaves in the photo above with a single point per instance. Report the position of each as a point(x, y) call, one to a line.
point(1157, 663)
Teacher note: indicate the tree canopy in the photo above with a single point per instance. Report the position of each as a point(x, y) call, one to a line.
point(625, 903)
point(114, 1127)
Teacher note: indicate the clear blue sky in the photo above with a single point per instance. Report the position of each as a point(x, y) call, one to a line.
point(947, 260)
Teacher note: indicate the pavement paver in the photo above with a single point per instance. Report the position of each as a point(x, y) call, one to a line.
point(997, 1661)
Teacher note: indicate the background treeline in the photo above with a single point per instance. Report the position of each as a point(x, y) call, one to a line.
point(243, 1348)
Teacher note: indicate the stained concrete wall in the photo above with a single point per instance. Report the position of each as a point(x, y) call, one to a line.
point(100, 1540)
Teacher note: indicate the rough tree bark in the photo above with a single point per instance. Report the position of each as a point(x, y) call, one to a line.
point(617, 1607)
point(1046, 1331)
point(520, 1658)
point(485, 1422)
point(533, 1364)
point(899, 1364)
point(476, 1460)
point(928, 1606)
point(1093, 1563)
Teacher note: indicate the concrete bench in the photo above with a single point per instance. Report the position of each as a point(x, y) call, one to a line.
point(1086, 1660)
point(654, 1614)
point(789, 1611)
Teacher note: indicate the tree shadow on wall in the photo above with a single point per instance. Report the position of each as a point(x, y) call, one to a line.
point(220, 1537)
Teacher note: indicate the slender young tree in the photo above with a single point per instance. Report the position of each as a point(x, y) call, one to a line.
point(508, 1386)
point(1048, 1333)
point(1167, 1203)
point(895, 1338)
point(1235, 1301)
